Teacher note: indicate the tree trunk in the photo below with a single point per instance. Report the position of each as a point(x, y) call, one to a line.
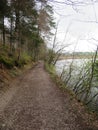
point(17, 20)
point(3, 31)
point(11, 29)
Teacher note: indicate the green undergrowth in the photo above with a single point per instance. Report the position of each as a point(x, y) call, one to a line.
point(11, 66)
point(9, 60)
point(51, 70)
point(16, 71)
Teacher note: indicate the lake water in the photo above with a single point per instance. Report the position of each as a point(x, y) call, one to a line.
point(76, 68)
point(77, 63)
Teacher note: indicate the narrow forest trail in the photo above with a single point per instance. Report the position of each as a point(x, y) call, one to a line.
point(34, 102)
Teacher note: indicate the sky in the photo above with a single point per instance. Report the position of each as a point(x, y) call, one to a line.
point(78, 25)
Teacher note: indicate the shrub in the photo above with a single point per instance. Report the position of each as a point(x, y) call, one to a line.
point(10, 60)
point(25, 59)
point(7, 61)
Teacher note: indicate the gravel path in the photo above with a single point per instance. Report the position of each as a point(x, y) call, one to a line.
point(34, 102)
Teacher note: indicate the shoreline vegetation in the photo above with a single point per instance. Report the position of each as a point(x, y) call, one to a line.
point(92, 115)
point(61, 84)
point(77, 55)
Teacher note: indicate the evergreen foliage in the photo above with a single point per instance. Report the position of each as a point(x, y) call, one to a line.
point(23, 26)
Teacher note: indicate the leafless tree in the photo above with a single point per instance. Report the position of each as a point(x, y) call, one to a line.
point(57, 50)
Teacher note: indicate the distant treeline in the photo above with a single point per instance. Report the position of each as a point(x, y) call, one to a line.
point(77, 55)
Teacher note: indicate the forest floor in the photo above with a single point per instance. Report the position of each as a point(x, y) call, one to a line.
point(34, 102)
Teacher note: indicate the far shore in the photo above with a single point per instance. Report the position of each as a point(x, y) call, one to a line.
point(75, 57)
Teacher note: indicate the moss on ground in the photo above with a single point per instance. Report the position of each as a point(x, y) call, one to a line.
point(10, 66)
point(10, 60)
